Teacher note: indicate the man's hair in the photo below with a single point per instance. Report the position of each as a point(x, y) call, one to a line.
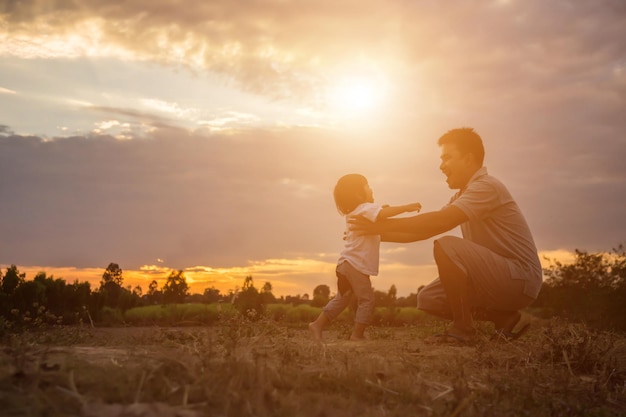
point(349, 192)
point(466, 141)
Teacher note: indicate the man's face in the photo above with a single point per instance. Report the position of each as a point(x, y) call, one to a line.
point(458, 168)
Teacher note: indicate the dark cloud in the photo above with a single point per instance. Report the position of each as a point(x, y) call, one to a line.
point(191, 199)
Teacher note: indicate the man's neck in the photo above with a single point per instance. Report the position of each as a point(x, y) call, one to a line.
point(470, 176)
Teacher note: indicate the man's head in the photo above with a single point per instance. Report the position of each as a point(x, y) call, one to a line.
point(462, 154)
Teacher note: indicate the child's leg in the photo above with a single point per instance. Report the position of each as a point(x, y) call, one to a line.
point(318, 325)
point(330, 311)
point(364, 293)
point(358, 332)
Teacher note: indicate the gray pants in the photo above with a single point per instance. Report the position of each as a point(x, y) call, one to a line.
point(360, 287)
point(492, 285)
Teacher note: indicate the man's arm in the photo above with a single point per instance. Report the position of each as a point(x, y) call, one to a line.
point(399, 237)
point(420, 227)
point(390, 211)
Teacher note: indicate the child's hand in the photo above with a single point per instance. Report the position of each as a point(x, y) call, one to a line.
point(413, 207)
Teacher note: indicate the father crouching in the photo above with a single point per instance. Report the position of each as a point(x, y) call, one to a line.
point(494, 270)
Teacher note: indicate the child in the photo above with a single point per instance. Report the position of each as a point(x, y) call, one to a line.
point(359, 258)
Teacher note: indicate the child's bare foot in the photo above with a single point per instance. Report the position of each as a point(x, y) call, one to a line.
point(316, 331)
point(358, 332)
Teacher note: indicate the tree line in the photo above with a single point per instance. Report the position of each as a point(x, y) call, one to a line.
point(50, 300)
point(592, 289)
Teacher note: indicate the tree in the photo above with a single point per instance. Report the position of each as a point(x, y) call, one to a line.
point(321, 291)
point(175, 289)
point(321, 295)
point(381, 299)
point(28, 296)
point(266, 294)
point(248, 301)
point(153, 287)
point(591, 289)
point(114, 274)
point(211, 295)
point(77, 298)
point(111, 285)
point(11, 280)
point(392, 294)
point(154, 296)
point(55, 294)
point(408, 301)
point(248, 283)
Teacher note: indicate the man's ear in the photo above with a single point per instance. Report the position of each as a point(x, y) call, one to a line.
point(471, 158)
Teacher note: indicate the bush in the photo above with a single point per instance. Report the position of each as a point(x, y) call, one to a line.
point(277, 312)
point(249, 302)
point(179, 314)
point(111, 316)
point(397, 316)
point(409, 316)
point(590, 290)
point(302, 313)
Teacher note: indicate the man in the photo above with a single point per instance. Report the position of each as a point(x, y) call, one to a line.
point(493, 271)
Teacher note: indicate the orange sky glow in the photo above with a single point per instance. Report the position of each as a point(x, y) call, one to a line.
point(287, 276)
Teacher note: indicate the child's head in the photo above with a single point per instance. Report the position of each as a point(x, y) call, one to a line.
point(350, 191)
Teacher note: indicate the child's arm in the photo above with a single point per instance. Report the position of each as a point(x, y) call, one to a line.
point(390, 211)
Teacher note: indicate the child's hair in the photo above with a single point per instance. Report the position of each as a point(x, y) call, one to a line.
point(349, 192)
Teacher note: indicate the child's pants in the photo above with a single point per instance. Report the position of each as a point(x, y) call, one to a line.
point(361, 288)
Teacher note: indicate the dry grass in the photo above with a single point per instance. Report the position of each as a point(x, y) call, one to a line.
point(241, 368)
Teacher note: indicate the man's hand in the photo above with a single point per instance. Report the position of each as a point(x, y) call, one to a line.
point(361, 224)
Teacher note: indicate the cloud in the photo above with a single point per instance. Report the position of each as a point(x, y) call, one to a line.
point(288, 49)
point(7, 91)
point(509, 66)
point(229, 120)
point(191, 199)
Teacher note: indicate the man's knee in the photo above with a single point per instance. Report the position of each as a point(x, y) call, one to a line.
point(441, 245)
point(423, 301)
point(433, 304)
point(431, 298)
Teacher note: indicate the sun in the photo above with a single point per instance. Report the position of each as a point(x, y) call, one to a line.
point(356, 95)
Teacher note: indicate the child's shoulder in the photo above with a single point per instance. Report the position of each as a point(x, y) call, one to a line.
point(365, 208)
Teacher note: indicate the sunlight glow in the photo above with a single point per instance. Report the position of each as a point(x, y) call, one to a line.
point(356, 94)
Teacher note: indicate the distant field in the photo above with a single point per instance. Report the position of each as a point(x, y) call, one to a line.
point(272, 368)
point(208, 314)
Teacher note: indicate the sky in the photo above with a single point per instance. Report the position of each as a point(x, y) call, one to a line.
point(207, 136)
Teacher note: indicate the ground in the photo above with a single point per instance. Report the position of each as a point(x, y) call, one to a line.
point(264, 368)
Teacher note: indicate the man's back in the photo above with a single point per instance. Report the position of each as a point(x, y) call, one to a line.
point(496, 222)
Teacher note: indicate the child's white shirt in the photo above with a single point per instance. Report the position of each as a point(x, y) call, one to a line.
point(362, 251)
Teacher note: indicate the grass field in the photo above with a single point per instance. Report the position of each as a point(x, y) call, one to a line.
point(272, 368)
